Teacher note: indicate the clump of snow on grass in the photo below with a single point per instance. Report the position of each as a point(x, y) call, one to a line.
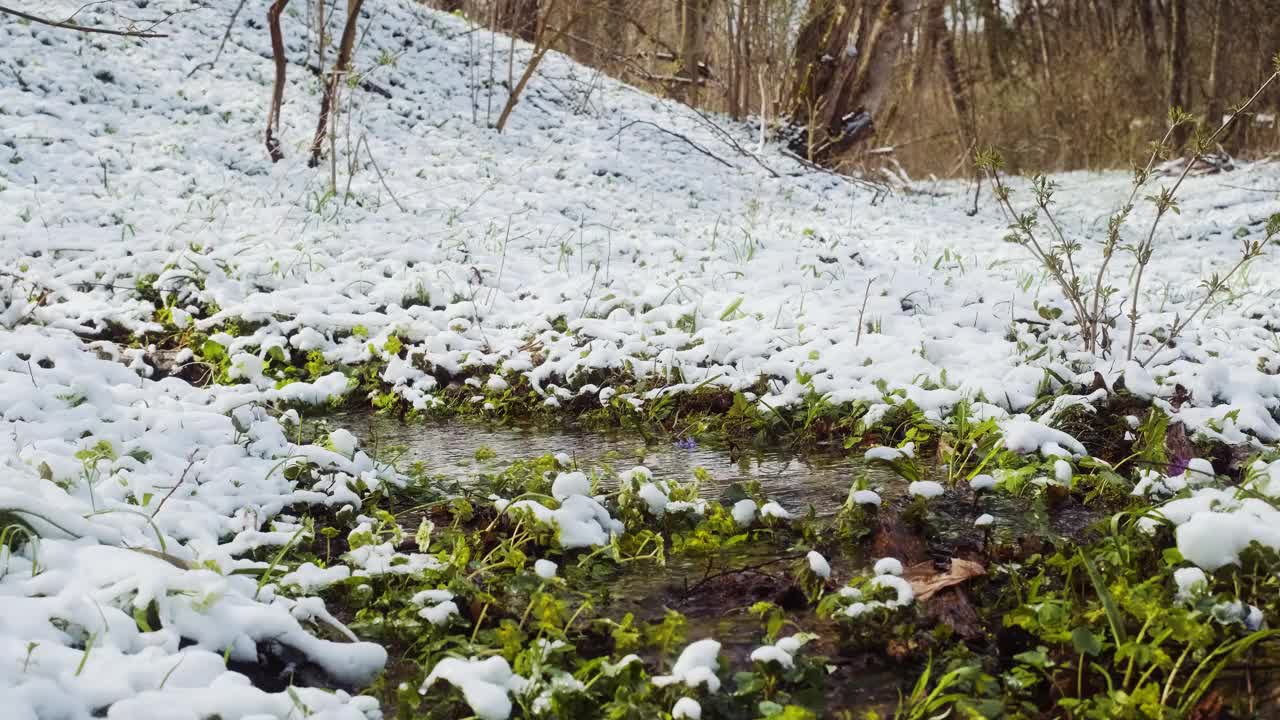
point(1024, 435)
point(1139, 382)
point(818, 565)
point(437, 606)
point(926, 489)
point(744, 512)
point(1199, 471)
point(885, 453)
point(900, 586)
point(686, 708)
point(545, 569)
point(1191, 582)
point(343, 442)
point(982, 482)
point(1213, 525)
point(781, 652)
point(485, 684)
point(569, 484)
point(888, 566)
point(581, 521)
point(696, 666)
point(1062, 472)
point(865, 497)
point(775, 511)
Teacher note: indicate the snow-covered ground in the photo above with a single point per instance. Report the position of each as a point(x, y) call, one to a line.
point(583, 238)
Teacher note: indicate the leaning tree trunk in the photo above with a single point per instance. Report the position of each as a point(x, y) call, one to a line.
point(837, 94)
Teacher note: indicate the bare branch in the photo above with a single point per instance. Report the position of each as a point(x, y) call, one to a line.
point(81, 28)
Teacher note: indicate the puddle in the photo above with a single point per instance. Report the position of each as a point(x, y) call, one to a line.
point(819, 478)
point(714, 593)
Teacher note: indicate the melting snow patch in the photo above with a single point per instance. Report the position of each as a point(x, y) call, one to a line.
point(818, 564)
point(696, 666)
point(485, 684)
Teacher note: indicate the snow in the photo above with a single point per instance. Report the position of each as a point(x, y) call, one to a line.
point(569, 484)
point(1023, 435)
point(1214, 539)
point(982, 482)
point(1190, 581)
point(772, 509)
point(159, 176)
point(771, 653)
point(902, 588)
point(1062, 472)
point(888, 566)
point(866, 497)
point(552, 169)
point(1200, 471)
point(781, 652)
point(580, 521)
point(545, 569)
point(926, 489)
point(890, 454)
point(984, 520)
point(818, 565)
point(485, 684)
point(696, 666)
point(686, 708)
point(744, 512)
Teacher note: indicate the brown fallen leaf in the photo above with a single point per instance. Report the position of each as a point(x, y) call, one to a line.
point(926, 580)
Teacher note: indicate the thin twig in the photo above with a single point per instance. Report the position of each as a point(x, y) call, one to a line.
point(376, 169)
point(674, 134)
point(862, 312)
point(225, 36)
point(1144, 250)
point(728, 138)
point(879, 190)
point(81, 28)
point(172, 490)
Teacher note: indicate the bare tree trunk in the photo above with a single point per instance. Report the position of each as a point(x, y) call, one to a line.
point(340, 69)
point(1215, 106)
point(692, 45)
point(1046, 66)
point(993, 37)
point(818, 59)
point(1177, 97)
point(951, 70)
point(277, 90)
point(923, 55)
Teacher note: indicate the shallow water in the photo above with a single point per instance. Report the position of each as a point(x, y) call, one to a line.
point(796, 480)
point(713, 593)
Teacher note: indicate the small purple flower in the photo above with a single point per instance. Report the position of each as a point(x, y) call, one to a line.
point(1178, 465)
point(686, 443)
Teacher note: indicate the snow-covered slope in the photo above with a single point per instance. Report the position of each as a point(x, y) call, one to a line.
point(597, 232)
point(582, 210)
